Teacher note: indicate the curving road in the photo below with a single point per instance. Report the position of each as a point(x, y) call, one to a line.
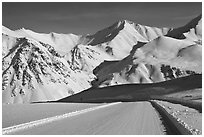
point(135, 118)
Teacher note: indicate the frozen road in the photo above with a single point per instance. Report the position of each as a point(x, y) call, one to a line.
point(135, 118)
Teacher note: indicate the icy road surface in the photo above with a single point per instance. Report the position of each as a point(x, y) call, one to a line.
point(123, 118)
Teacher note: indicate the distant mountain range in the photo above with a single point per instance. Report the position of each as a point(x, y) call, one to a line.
point(48, 67)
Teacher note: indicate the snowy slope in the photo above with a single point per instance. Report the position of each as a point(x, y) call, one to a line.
point(118, 39)
point(34, 71)
point(161, 59)
point(153, 62)
point(63, 43)
point(39, 67)
point(112, 43)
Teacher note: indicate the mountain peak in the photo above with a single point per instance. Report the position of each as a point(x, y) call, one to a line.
point(195, 24)
point(123, 22)
point(129, 21)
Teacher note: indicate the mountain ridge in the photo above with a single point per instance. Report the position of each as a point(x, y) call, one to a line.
point(122, 53)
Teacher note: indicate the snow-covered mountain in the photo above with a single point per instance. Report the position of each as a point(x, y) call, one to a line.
point(192, 30)
point(62, 43)
point(41, 67)
point(34, 71)
point(118, 39)
point(163, 58)
point(112, 43)
point(155, 61)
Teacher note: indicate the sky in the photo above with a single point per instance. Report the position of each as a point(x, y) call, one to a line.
point(88, 18)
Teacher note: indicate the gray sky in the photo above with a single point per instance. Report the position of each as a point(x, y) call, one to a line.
point(83, 18)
